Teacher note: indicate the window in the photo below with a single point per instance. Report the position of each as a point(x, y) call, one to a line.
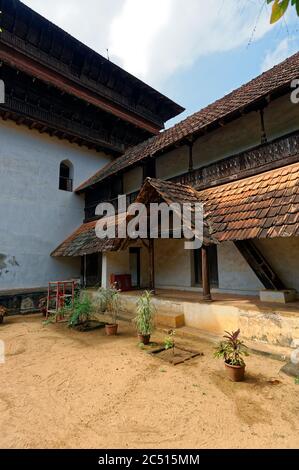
point(149, 169)
point(213, 266)
point(116, 187)
point(135, 267)
point(66, 176)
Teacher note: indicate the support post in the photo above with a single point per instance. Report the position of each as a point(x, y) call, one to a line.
point(191, 156)
point(151, 251)
point(264, 139)
point(85, 272)
point(205, 274)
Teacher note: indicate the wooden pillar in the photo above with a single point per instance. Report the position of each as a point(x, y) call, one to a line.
point(151, 250)
point(85, 271)
point(205, 274)
point(264, 139)
point(191, 156)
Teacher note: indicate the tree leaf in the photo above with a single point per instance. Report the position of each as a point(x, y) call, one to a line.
point(278, 10)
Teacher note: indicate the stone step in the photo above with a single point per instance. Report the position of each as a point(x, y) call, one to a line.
point(170, 319)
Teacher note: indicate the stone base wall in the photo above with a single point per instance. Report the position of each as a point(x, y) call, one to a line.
point(22, 302)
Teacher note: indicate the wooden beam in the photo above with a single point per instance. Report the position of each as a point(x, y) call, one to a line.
point(151, 252)
point(191, 156)
point(33, 68)
point(264, 139)
point(205, 274)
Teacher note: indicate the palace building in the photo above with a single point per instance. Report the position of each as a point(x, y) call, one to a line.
point(68, 112)
point(76, 130)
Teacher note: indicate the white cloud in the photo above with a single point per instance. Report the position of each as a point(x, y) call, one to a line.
point(134, 30)
point(283, 50)
point(154, 43)
point(88, 21)
point(153, 39)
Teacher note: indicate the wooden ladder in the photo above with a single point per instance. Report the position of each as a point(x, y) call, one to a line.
point(259, 265)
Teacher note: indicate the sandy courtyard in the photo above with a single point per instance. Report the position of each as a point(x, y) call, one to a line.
point(61, 388)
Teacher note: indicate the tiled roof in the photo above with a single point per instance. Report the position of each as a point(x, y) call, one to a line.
point(170, 192)
point(262, 206)
point(84, 242)
point(277, 78)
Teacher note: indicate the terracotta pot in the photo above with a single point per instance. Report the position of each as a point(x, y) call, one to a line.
point(111, 330)
point(145, 339)
point(235, 373)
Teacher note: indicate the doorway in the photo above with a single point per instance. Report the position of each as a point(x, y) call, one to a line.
point(91, 270)
point(135, 267)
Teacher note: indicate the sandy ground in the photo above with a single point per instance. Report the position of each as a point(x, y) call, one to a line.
point(61, 389)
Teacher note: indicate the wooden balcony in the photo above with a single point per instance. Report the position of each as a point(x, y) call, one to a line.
point(275, 154)
point(279, 152)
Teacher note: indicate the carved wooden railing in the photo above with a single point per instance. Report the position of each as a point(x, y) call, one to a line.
point(57, 122)
point(279, 152)
point(270, 155)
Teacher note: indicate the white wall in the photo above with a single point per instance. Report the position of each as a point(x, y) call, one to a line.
point(281, 117)
point(234, 272)
point(35, 216)
point(133, 180)
point(232, 138)
point(114, 263)
point(283, 256)
point(236, 275)
point(173, 163)
point(173, 265)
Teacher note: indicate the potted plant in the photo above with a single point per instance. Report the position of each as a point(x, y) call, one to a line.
point(232, 350)
point(109, 301)
point(144, 320)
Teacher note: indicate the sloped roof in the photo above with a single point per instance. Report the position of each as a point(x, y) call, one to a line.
point(170, 192)
point(84, 241)
point(262, 206)
point(277, 78)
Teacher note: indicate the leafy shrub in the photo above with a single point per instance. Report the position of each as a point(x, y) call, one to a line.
point(232, 349)
point(144, 319)
point(108, 300)
point(169, 341)
point(81, 311)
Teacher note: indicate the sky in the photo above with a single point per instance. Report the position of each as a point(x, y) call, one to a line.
point(193, 51)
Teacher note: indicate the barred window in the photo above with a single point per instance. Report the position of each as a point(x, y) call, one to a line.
point(66, 176)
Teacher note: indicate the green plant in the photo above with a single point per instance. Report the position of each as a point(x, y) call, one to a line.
point(232, 349)
point(109, 301)
point(144, 319)
point(81, 311)
point(297, 380)
point(100, 299)
point(280, 7)
point(169, 341)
